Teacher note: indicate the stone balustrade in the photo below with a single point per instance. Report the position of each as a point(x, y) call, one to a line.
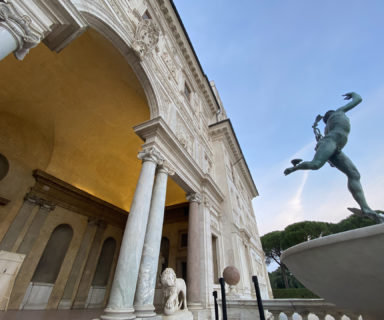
point(287, 309)
point(306, 309)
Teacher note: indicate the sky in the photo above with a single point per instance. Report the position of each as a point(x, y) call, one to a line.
point(278, 64)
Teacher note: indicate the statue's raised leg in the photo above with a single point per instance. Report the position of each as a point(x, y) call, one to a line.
point(345, 165)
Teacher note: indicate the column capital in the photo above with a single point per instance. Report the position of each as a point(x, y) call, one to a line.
point(96, 222)
point(49, 206)
point(151, 154)
point(20, 28)
point(166, 168)
point(43, 203)
point(194, 197)
point(32, 198)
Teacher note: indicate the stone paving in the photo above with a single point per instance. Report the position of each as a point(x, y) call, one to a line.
point(89, 314)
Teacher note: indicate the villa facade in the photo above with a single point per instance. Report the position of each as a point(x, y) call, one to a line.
point(109, 115)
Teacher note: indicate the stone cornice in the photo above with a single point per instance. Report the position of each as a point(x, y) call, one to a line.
point(181, 38)
point(156, 132)
point(225, 130)
point(54, 191)
point(66, 23)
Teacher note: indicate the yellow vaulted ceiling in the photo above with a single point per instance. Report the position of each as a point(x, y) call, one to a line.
point(78, 108)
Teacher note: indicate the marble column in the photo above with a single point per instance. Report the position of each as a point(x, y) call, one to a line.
point(120, 305)
point(16, 35)
point(8, 43)
point(194, 249)
point(145, 291)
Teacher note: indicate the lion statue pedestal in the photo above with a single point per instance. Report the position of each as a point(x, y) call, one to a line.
point(174, 297)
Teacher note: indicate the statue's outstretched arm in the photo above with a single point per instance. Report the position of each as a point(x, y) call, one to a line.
point(356, 99)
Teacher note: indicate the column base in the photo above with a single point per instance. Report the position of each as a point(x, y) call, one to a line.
point(202, 313)
point(194, 306)
point(118, 314)
point(145, 311)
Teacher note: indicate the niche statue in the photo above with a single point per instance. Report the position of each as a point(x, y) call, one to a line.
point(329, 149)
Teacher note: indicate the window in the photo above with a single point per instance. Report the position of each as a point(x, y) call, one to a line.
point(214, 260)
point(52, 258)
point(181, 268)
point(146, 15)
point(183, 240)
point(187, 92)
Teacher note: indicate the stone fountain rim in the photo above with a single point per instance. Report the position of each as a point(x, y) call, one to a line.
point(346, 236)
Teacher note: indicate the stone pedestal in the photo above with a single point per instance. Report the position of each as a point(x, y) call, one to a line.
point(155, 317)
point(179, 315)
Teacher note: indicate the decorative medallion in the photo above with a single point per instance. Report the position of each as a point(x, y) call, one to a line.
point(146, 37)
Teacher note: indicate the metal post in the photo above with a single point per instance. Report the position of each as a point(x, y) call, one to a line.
point(258, 296)
point(223, 300)
point(216, 306)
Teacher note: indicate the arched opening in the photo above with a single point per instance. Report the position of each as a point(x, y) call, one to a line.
point(102, 274)
point(48, 268)
point(71, 116)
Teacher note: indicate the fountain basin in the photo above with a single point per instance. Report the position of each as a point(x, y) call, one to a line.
point(346, 269)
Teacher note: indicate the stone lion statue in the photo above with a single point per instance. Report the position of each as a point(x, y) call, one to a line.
point(173, 288)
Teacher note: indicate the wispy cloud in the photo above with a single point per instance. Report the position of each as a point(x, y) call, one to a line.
point(293, 210)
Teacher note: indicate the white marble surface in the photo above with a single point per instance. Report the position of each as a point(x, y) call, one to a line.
point(120, 305)
point(37, 296)
point(8, 43)
point(345, 269)
point(95, 297)
point(10, 263)
point(145, 291)
point(179, 315)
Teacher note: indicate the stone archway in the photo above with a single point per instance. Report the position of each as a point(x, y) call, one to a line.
point(71, 116)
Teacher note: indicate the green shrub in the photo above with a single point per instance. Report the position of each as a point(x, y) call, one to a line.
point(294, 293)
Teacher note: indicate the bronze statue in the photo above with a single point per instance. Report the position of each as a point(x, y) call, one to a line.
point(329, 149)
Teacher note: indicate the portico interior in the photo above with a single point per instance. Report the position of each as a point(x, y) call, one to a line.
point(70, 115)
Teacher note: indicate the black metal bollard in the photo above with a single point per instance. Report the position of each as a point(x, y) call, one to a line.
point(216, 306)
point(258, 296)
point(223, 299)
